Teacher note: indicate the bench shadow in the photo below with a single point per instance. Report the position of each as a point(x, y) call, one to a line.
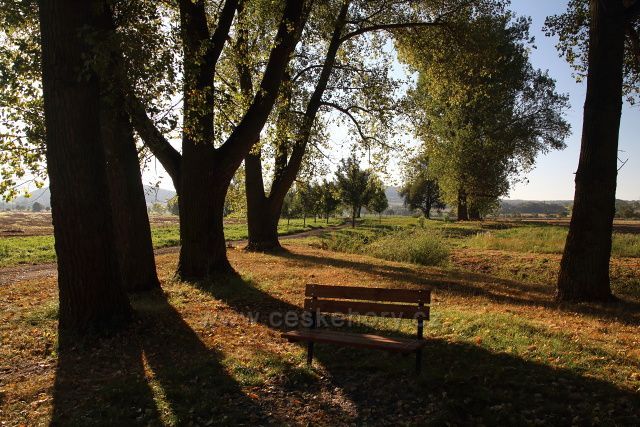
point(104, 381)
point(493, 288)
point(461, 383)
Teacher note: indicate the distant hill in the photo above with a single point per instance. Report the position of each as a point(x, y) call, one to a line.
point(43, 196)
point(157, 195)
point(394, 198)
point(551, 207)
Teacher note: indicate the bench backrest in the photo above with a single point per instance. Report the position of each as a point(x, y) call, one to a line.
point(378, 302)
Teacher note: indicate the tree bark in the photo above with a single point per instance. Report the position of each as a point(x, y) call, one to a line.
point(91, 293)
point(463, 214)
point(286, 169)
point(202, 187)
point(474, 213)
point(131, 221)
point(203, 251)
point(427, 211)
point(263, 213)
point(584, 269)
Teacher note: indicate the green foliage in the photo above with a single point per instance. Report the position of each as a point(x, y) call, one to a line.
point(149, 46)
point(420, 190)
point(626, 209)
point(413, 245)
point(173, 206)
point(377, 202)
point(40, 249)
point(353, 184)
point(329, 199)
point(21, 120)
point(545, 239)
point(158, 209)
point(481, 109)
point(572, 31)
point(31, 249)
point(236, 202)
point(416, 246)
point(37, 207)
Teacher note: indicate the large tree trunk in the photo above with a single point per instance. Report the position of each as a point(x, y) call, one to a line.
point(131, 221)
point(263, 213)
point(584, 269)
point(427, 211)
point(202, 189)
point(90, 289)
point(203, 249)
point(206, 170)
point(463, 214)
point(263, 219)
point(474, 213)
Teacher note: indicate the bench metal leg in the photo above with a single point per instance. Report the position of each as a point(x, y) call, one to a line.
point(309, 353)
point(418, 361)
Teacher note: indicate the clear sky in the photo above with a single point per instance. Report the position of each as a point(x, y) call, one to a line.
point(552, 179)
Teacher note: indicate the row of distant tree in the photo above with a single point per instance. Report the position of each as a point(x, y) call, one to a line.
point(353, 188)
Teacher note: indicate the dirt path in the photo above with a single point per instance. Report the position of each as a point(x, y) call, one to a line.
point(22, 272)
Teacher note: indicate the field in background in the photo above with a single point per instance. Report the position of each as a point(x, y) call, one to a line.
point(396, 238)
point(512, 236)
point(26, 238)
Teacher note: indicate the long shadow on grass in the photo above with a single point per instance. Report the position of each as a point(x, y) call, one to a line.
point(462, 383)
point(473, 284)
point(103, 382)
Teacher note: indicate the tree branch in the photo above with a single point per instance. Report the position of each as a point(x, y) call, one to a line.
point(151, 136)
point(353, 119)
point(387, 27)
point(635, 44)
point(220, 35)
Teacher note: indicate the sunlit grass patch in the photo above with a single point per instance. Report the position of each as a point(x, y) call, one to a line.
point(544, 239)
point(40, 249)
point(47, 312)
point(30, 249)
point(417, 247)
point(409, 244)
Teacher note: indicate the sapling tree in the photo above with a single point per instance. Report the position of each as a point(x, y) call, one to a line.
point(420, 189)
point(353, 186)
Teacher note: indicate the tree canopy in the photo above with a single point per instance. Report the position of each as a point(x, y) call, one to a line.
point(481, 109)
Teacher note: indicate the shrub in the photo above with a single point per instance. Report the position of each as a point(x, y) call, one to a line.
point(349, 240)
point(416, 246)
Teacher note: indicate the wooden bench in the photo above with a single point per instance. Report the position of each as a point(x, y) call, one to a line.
point(378, 302)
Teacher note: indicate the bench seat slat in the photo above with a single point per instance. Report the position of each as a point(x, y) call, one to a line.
point(401, 345)
point(369, 294)
point(367, 308)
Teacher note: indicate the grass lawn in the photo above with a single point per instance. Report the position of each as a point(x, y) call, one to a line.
point(39, 249)
point(500, 352)
point(540, 238)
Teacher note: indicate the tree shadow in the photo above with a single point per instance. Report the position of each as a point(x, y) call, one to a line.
point(461, 383)
point(473, 284)
point(104, 381)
